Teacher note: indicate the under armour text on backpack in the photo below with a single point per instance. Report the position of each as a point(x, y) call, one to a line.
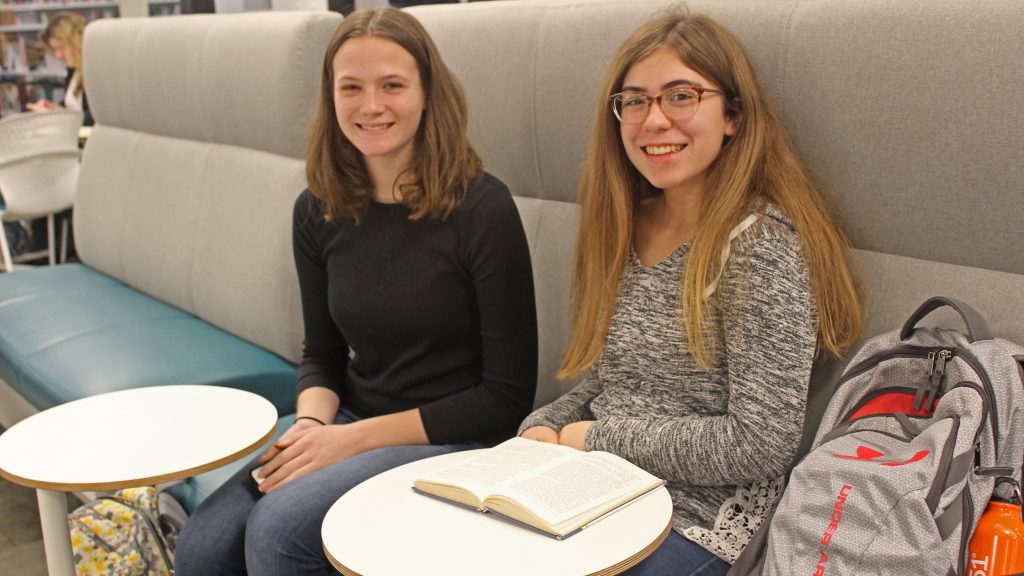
point(904, 462)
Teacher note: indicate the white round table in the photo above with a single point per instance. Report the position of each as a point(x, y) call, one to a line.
point(382, 528)
point(143, 436)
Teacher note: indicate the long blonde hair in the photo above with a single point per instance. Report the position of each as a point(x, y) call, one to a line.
point(444, 163)
point(69, 29)
point(755, 166)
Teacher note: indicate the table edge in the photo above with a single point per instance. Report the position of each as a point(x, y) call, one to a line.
point(143, 481)
point(617, 568)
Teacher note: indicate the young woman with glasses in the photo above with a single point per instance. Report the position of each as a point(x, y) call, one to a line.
point(708, 276)
point(417, 300)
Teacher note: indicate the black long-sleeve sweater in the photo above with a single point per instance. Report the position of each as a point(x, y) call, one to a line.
point(439, 315)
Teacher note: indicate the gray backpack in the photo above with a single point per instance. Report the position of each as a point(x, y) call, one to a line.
point(922, 423)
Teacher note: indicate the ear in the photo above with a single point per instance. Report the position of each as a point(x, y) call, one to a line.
point(733, 115)
point(731, 124)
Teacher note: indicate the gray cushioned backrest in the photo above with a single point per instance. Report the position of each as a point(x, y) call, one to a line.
point(532, 68)
point(908, 112)
point(910, 122)
point(189, 176)
point(246, 80)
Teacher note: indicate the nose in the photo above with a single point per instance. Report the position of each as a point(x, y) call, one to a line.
point(372, 103)
point(656, 119)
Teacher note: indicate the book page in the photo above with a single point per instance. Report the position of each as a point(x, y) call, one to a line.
point(576, 486)
point(506, 462)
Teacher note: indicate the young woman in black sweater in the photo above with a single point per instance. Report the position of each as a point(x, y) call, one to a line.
point(417, 298)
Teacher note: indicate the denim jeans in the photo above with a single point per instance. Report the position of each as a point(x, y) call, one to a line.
point(236, 531)
point(678, 556)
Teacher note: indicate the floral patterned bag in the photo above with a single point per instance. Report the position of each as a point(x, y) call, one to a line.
point(122, 535)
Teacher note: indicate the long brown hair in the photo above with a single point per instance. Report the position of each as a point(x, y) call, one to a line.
point(755, 166)
point(444, 163)
point(69, 29)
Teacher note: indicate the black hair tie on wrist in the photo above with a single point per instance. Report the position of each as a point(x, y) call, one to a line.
point(317, 420)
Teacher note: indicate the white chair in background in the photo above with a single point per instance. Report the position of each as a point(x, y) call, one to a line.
point(38, 172)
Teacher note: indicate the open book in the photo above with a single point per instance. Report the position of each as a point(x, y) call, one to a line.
point(554, 489)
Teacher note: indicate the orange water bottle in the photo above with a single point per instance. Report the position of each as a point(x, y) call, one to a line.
point(997, 547)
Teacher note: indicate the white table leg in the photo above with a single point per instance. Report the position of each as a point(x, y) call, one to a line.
point(53, 514)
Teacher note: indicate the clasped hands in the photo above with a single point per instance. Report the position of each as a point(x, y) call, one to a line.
point(572, 435)
point(306, 447)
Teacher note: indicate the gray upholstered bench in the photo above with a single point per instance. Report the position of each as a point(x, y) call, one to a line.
point(183, 215)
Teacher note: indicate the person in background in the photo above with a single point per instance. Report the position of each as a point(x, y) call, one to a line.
point(417, 301)
point(63, 36)
point(708, 276)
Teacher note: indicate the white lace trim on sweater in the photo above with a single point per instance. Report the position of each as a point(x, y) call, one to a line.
point(738, 518)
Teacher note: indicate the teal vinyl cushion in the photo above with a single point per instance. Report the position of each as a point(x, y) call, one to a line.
point(68, 332)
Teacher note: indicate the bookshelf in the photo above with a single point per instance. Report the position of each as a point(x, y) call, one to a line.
point(28, 71)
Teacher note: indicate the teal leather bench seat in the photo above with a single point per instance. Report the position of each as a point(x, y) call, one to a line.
point(68, 332)
point(182, 221)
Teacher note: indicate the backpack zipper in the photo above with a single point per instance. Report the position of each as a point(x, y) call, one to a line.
point(879, 357)
point(925, 395)
point(934, 365)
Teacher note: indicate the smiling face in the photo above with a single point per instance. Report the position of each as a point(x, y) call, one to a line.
point(378, 100)
point(674, 154)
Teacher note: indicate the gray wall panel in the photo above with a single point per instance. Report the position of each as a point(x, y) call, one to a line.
point(910, 112)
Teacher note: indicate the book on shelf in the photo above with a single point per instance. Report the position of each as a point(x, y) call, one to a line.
point(10, 102)
point(12, 53)
point(555, 490)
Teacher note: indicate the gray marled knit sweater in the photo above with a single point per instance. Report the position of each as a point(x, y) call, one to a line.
point(721, 438)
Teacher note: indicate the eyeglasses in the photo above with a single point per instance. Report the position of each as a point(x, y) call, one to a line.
point(679, 103)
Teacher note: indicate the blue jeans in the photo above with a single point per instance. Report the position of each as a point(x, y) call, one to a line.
point(235, 531)
point(678, 556)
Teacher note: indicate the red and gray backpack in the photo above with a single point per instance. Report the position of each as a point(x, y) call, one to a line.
point(907, 454)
